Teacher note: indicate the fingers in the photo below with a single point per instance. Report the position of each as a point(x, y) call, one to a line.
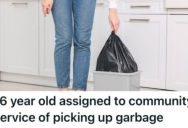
point(114, 23)
point(44, 8)
point(112, 27)
point(49, 9)
point(115, 26)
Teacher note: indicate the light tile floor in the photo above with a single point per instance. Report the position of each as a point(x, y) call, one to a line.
point(10, 86)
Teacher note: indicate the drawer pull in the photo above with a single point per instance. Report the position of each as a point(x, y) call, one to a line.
point(141, 6)
point(19, 3)
point(99, 3)
point(137, 20)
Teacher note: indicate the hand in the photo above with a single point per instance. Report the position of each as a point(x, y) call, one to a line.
point(47, 6)
point(113, 19)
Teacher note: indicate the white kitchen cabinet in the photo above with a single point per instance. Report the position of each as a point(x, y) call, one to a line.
point(46, 44)
point(20, 36)
point(177, 53)
point(145, 37)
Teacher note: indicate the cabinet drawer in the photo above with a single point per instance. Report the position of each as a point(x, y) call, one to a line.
point(176, 3)
point(142, 6)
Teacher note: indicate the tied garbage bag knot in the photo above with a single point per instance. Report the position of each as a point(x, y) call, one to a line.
point(115, 57)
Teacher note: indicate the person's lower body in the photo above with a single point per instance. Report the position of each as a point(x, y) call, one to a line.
point(73, 21)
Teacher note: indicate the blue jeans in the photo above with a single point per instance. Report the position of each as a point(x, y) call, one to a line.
point(73, 21)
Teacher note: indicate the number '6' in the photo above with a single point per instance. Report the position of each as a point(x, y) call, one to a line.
point(3, 101)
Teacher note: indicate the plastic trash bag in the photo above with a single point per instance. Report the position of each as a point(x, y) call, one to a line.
point(115, 57)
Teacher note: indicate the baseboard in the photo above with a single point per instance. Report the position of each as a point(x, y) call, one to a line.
point(36, 80)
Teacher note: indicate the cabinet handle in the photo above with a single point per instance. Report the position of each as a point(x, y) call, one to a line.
point(19, 3)
point(141, 6)
point(142, 20)
point(99, 3)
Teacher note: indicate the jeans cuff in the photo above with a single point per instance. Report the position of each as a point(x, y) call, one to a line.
point(84, 89)
point(61, 87)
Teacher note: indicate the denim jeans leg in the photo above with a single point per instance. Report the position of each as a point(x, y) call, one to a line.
point(62, 15)
point(83, 11)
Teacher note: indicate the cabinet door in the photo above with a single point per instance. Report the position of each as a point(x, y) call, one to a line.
point(177, 53)
point(101, 32)
point(20, 36)
point(46, 44)
point(145, 37)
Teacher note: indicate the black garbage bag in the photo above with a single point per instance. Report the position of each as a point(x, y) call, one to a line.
point(115, 57)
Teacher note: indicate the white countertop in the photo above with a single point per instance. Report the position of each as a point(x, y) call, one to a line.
point(176, 3)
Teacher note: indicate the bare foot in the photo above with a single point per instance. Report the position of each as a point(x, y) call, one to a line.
point(63, 89)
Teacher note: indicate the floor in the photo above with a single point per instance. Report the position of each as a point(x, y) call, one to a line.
point(10, 86)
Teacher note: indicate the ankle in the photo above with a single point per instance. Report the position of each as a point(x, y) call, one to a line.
point(63, 89)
